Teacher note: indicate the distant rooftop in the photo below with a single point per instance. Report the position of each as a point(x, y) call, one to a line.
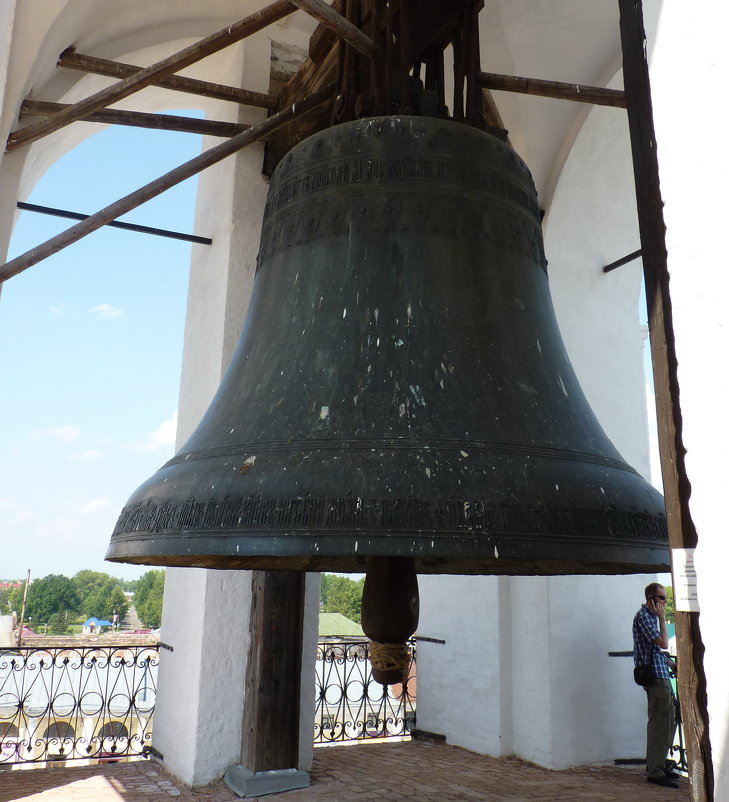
point(331, 624)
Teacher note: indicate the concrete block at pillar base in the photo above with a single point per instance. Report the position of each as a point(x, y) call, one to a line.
point(245, 782)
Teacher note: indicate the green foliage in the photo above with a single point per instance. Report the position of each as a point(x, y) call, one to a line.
point(94, 589)
point(52, 594)
point(148, 597)
point(58, 623)
point(116, 602)
point(340, 594)
point(11, 599)
point(669, 605)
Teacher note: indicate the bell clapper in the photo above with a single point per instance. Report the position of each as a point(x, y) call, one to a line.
point(390, 609)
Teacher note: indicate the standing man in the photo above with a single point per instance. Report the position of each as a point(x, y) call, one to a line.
point(649, 639)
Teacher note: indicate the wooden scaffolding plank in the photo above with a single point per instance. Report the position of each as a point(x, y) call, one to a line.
point(139, 119)
point(189, 55)
point(554, 89)
point(159, 185)
point(72, 60)
point(340, 25)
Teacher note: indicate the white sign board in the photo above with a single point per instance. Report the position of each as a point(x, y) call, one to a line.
point(685, 595)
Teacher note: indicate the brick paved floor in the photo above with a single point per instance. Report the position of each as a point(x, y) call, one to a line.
point(401, 771)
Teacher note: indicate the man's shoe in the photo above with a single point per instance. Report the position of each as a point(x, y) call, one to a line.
point(666, 782)
point(669, 772)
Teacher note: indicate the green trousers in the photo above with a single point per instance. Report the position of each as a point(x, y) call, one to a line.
point(661, 726)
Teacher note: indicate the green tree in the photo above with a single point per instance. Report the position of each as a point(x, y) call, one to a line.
point(94, 589)
point(148, 597)
point(340, 594)
point(51, 594)
point(58, 623)
point(669, 605)
point(116, 602)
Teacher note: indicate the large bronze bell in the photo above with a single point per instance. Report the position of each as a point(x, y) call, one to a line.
point(400, 388)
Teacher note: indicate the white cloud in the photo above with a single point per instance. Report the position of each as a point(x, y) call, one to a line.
point(56, 309)
point(94, 505)
point(107, 311)
point(26, 515)
point(64, 434)
point(161, 439)
point(84, 456)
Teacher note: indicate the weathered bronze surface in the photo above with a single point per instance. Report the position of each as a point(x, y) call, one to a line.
point(400, 387)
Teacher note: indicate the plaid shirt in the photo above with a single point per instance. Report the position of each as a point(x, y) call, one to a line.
point(645, 650)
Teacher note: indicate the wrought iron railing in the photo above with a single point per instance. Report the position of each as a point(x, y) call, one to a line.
point(677, 752)
point(350, 705)
point(76, 703)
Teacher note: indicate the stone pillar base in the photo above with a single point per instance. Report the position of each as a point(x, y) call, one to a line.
point(245, 782)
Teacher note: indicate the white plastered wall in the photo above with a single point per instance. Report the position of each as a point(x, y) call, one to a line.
point(525, 668)
point(690, 122)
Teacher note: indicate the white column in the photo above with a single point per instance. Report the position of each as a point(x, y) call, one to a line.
point(197, 725)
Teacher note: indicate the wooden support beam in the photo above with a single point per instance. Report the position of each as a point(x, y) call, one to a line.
point(144, 77)
point(159, 185)
point(340, 25)
point(139, 119)
point(118, 69)
point(271, 711)
point(691, 678)
point(555, 89)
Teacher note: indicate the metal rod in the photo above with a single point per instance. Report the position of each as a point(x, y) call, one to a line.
point(161, 69)
point(22, 610)
point(159, 185)
point(159, 232)
point(140, 119)
point(72, 60)
point(342, 26)
point(624, 261)
point(554, 89)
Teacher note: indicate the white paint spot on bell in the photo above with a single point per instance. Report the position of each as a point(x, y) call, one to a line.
point(427, 472)
point(398, 343)
point(464, 453)
point(564, 389)
point(496, 552)
point(377, 314)
point(344, 313)
point(410, 312)
point(323, 413)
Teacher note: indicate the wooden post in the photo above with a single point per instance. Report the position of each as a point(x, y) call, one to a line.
point(271, 717)
point(677, 489)
point(270, 736)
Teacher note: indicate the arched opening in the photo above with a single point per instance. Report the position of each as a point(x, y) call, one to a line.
point(96, 335)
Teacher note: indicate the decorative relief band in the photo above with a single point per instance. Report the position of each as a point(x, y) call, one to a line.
point(376, 213)
point(427, 517)
point(411, 169)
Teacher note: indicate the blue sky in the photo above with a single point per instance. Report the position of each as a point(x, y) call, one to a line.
point(90, 353)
